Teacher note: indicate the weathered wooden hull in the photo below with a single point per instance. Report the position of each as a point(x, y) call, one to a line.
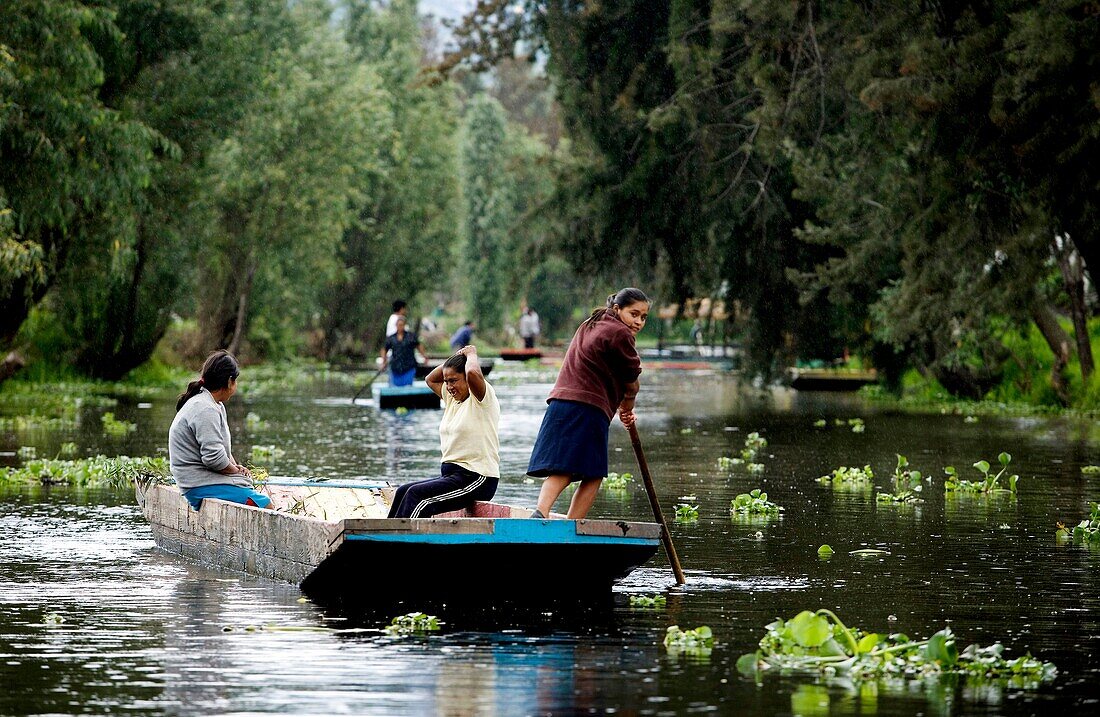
point(828, 380)
point(495, 552)
point(416, 396)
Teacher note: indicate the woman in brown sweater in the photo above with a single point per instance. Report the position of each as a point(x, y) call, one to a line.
point(598, 377)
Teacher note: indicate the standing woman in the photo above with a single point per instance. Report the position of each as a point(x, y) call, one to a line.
point(599, 376)
point(402, 348)
point(200, 450)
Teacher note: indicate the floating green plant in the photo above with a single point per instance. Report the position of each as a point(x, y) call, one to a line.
point(1087, 531)
point(647, 601)
point(267, 453)
point(67, 449)
point(413, 623)
point(755, 468)
point(27, 453)
point(1090, 470)
point(687, 431)
point(728, 464)
point(100, 470)
point(754, 502)
point(687, 513)
point(970, 419)
point(618, 481)
point(253, 422)
point(698, 642)
point(114, 427)
point(52, 618)
point(849, 476)
point(820, 423)
point(907, 485)
point(857, 425)
point(820, 643)
point(36, 422)
point(825, 551)
point(755, 442)
point(990, 482)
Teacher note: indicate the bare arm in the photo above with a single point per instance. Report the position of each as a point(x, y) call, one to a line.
point(474, 377)
point(435, 380)
point(626, 408)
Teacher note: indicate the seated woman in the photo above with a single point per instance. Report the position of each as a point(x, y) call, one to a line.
point(400, 352)
point(468, 438)
point(200, 450)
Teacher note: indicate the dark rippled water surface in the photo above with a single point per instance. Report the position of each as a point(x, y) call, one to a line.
point(95, 620)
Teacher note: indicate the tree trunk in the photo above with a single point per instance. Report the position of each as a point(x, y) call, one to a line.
point(1058, 340)
point(242, 309)
point(1073, 278)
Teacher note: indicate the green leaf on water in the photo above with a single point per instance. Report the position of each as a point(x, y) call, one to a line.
point(941, 647)
point(749, 665)
point(983, 466)
point(868, 642)
point(810, 630)
point(825, 551)
point(1004, 458)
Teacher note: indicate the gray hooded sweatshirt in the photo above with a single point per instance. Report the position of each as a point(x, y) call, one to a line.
point(199, 445)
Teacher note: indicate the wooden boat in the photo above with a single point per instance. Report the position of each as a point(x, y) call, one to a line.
point(830, 379)
point(333, 539)
point(422, 370)
point(415, 396)
point(520, 354)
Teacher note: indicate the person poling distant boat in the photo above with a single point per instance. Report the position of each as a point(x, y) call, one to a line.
point(598, 376)
point(400, 352)
point(200, 449)
point(468, 438)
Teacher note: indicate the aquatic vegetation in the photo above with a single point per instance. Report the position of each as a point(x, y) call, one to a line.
point(755, 468)
point(849, 476)
point(268, 453)
point(67, 449)
point(37, 422)
point(413, 623)
point(27, 452)
point(857, 425)
point(699, 641)
point(820, 643)
point(970, 419)
point(755, 442)
point(97, 471)
point(687, 513)
point(114, 427)
point(618, 481)
point(1090, 470)
point(989, 483)
point(401, 410)
point(1087, 531)
point(687, 431)
point(825, 551)
point(52, 618)
point(727, 464)
point(754, 502)
point(907, 485)
point(253, 422)
point(820, 423)
point(647, 601)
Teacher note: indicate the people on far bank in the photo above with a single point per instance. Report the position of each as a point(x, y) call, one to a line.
point(598, 377)
point(529, 327)
point(464, 336)
point(400, 309)
point(200, 448)
point(468, 438)
point(400, 352)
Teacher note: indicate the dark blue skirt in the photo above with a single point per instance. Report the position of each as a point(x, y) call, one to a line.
point(572, 441)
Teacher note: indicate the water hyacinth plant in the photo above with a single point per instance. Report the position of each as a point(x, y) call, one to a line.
point(687, 513)
point(1090, 470)
point(114, 427)
point(907, 485)
point(990, 482)
point(728, 464)
point(617, 481)
point(698, 642)
point(412, 623)
point(1087, 531)
point(820, 643)
point(849, 476)
point(647, 601)
point(754, 502)
point(97, 471)
point(755, 468)
point(267, 453)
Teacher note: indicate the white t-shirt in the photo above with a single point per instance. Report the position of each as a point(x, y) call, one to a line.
point(468, 432)
point(391, 325)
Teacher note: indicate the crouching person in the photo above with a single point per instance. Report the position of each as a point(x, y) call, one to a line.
point(468, 439)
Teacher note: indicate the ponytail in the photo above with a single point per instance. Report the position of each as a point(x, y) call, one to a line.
point(624, 297)
point(217, 371)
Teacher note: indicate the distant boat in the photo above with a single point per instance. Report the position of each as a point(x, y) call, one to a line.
point(520, 354)
point(830, 379)
point(334, 539)
point(415, 396)
point(422, 370)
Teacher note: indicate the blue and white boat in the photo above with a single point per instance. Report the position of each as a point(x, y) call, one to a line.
point(334, 539)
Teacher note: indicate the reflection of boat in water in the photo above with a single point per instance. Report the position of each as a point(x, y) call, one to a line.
point(422, 370)
point(416, 396)
point(830, 379)
point(334, 539)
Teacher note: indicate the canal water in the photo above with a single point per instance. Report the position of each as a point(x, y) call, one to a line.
point(94, 619)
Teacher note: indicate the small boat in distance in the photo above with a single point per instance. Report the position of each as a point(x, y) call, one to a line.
point(333, 539)
point(415, 396)
point(830, 379)
point(422, 370)
point(520, 354)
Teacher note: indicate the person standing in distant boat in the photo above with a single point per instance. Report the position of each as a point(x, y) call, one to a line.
point(463, 336)
point(529, 328)
point(598, 376)
point(468, 439)
point(400, 308)
point(400, 352)
point(200, 449)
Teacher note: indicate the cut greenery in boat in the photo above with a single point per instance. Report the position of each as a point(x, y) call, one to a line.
point(990, 482)
point(819, 642)
point(907, 485)
point(755, 502)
